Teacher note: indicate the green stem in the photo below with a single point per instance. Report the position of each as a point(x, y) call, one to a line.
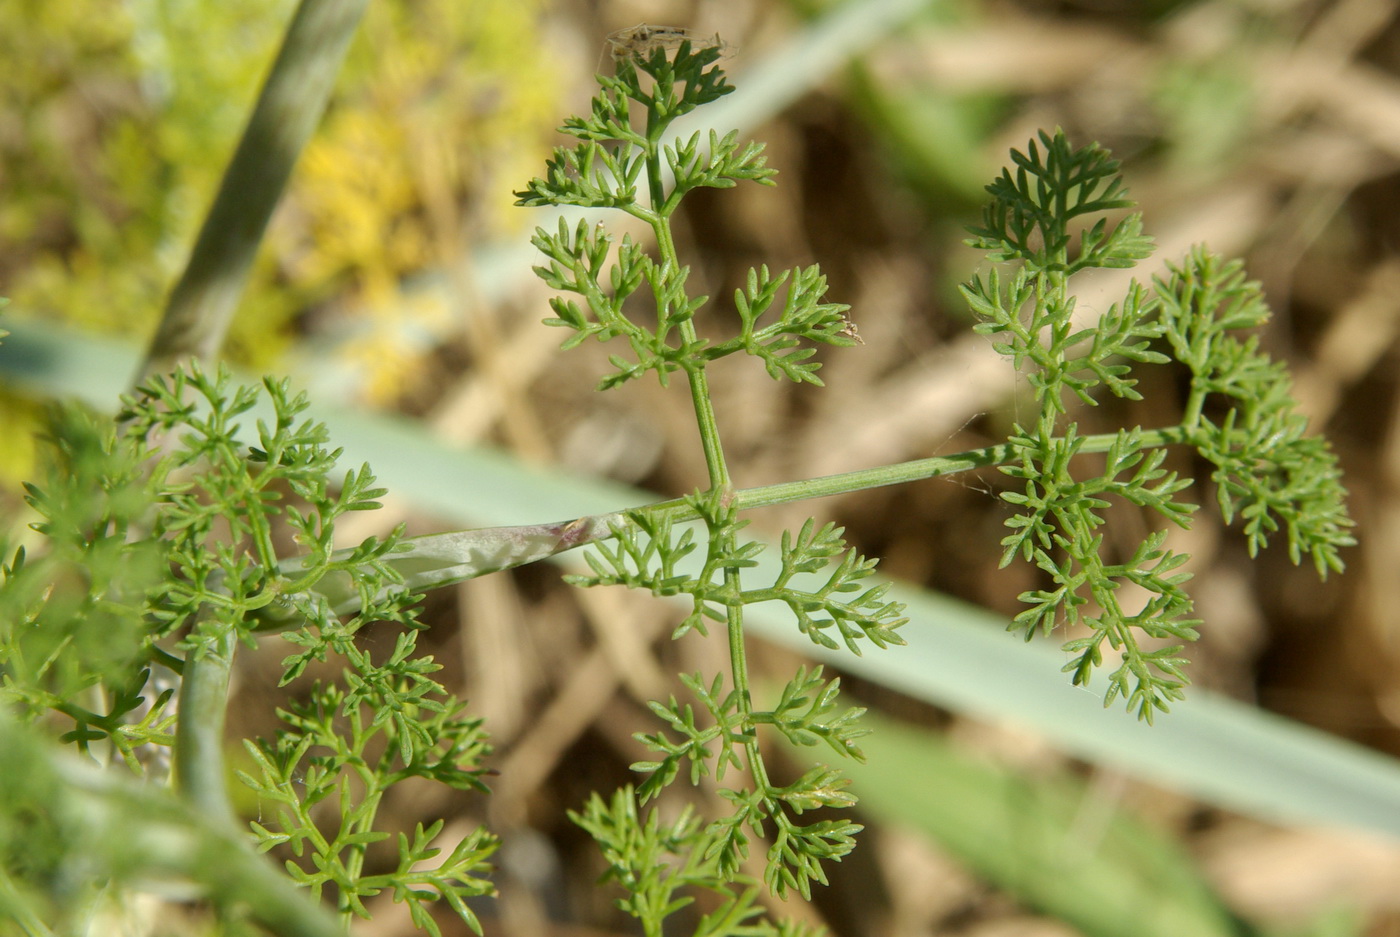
point(656, 187)
point(715, 462)
point(260, 531)
point(1191, 415)
point(432, 561)
point(695, 372)
point(900, 473)
point(155, 837)
point(718, 469)
point(291, 103)
point(21, 911)
point(199, 735)
point(166, 659)
point(375, 782)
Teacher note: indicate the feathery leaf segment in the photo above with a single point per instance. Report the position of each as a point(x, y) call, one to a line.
point(631, 165)
point(162, 536)
point(1239, 416)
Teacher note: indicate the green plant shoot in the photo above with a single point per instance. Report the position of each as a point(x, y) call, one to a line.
point(1045, 223)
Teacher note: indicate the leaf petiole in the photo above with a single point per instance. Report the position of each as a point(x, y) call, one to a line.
point(434, 560)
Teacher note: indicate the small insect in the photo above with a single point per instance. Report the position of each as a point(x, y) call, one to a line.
point(640, 41)
point(848, 330)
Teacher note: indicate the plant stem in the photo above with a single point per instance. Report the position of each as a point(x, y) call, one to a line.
point(21, 912)
point(199, 735)
point(291, 103)
point(718, 469)
point(435, 560)
point(694, 368)
point(175, 841)
point(916, 470)
point(1191, 415)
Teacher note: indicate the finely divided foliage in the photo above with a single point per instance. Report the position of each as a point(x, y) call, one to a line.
point(349, 741)
point(1044, 224)
point(179, 527)
point(618, 166)
point(1268, 472)
point(621, 165)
